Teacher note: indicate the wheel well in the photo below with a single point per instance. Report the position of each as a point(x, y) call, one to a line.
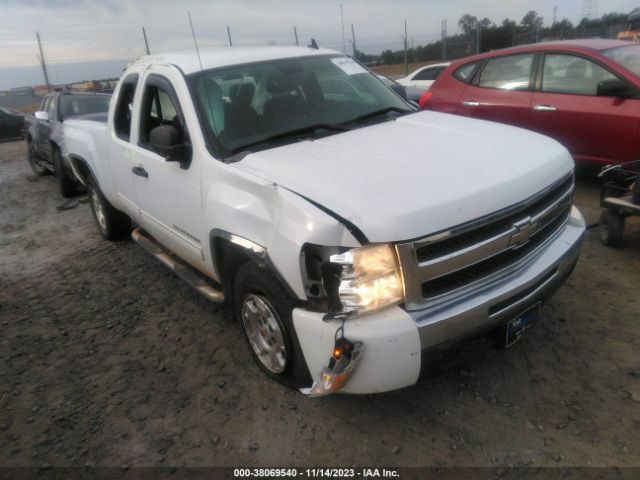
point(81, 166)
point(227, 259)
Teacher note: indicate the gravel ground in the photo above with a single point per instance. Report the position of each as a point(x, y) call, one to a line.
point(106, 358)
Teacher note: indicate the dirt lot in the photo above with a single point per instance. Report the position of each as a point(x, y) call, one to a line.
point(106, 358)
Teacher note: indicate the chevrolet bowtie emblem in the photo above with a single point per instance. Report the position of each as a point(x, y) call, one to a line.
point(524, 229)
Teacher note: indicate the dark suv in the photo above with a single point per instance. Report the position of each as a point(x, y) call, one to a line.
point(44, 133)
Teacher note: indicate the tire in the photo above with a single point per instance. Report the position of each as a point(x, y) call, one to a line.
point(611, 228)
point(256, 287)
point(36, 166)
point(113, 224)
point(66, 183)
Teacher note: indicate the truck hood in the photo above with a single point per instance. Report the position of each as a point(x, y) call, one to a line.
point(416, 175)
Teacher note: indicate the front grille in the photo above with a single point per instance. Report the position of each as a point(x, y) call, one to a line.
point(492, 265)
point(439, 265)
point(492, 228)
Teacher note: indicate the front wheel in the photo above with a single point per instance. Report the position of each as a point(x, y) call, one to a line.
point(264, 308)
point(66, 183)
point(34, 161)
point(112, 223)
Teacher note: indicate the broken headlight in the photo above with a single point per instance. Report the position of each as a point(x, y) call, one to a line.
point(363, 279)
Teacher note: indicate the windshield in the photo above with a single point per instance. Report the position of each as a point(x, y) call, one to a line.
point(72, 105)
point(628, 57)
point(246, 105)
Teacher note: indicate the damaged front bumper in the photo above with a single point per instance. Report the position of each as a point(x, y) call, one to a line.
point(397, 342)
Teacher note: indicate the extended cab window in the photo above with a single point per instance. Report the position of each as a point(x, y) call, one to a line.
point(159, 107)
point(572, 75)
point(508, 73)
point(124, 107)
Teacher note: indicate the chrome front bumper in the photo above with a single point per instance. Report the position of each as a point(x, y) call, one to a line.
point(487, 307)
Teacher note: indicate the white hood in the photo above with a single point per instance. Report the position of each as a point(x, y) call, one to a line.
point(417, 175)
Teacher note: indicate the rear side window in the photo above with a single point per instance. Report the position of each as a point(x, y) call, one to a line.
point(428, 74)
point(465, 72)
point(572, 75)
point(124, 107)
point(508, 73)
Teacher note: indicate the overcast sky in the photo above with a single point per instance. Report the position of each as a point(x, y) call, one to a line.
point(92, 38)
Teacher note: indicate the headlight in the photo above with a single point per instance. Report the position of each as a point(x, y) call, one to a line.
point(369, 278)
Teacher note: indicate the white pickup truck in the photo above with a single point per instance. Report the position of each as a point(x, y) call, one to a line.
point(354, 237)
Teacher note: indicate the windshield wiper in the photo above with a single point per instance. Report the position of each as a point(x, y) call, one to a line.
point(376, 113)
point(293, 133)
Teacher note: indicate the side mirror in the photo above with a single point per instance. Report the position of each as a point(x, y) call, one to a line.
point(400, 90)
point(42, 115)
point(166, 140)
point(614, 88)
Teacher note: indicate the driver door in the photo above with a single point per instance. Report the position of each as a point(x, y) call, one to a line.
point(168, 192)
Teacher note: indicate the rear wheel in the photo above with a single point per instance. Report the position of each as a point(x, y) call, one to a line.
point(112, 223)
point(34, 161)
point(66, 184)
point(611, 228)
point(264, 308)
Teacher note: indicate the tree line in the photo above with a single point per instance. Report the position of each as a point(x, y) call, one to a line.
point(492, 36)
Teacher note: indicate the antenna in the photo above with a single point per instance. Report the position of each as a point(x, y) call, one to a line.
point(344, 44)
point(195, 40)
point(146, 42)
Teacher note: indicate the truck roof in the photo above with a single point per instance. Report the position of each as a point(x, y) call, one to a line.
point(187, 60)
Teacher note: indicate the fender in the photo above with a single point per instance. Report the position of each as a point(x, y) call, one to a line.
point(252, 250)
point(80, 168)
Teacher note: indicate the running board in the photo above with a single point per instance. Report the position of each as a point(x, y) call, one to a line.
point(186, 273)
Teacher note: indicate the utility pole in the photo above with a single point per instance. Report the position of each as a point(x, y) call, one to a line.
point(295, 34)
point(344, 44)
point(406, 65)
point(146, 42)
point(478, 37)
point(444, 40)
point(229, 35)
point(555, 14)
point(353, 41)
point(43, 63)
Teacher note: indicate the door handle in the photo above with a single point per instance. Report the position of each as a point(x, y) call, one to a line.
point(544, 108)
point(140, 171)
point(471, 103)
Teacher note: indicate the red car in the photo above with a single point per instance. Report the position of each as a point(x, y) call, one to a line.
point(583, 93)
